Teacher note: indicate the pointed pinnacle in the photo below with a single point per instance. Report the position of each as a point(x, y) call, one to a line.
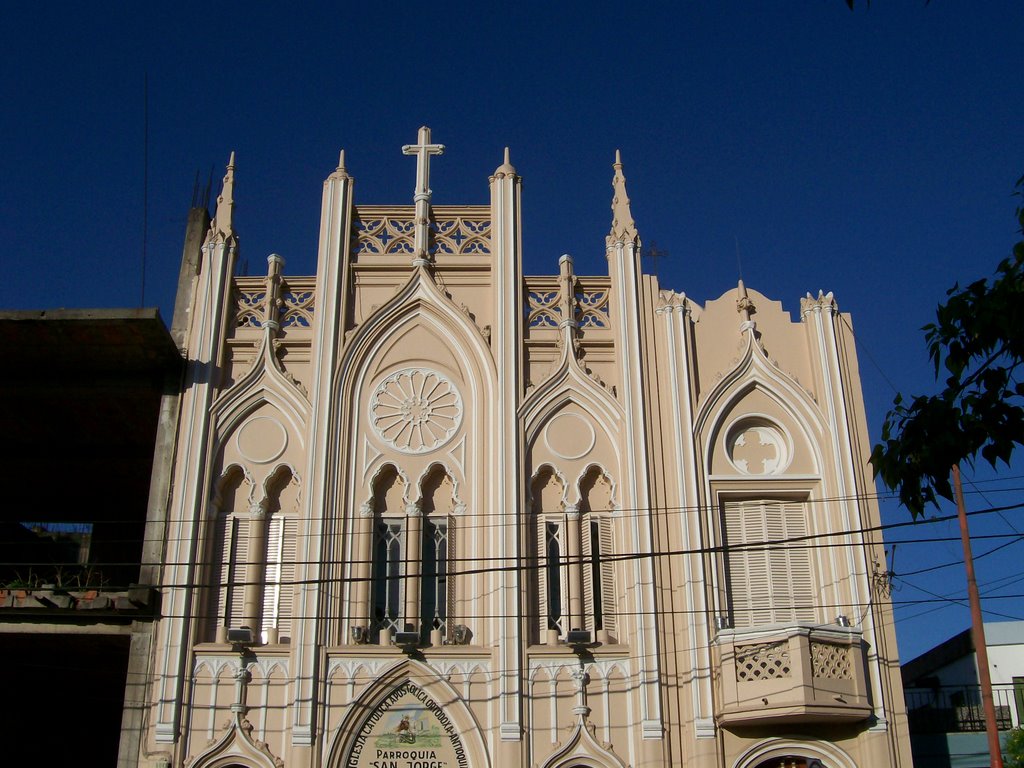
point(506, 167)
point(623, 226)
point(340, 172)
point(743, 303)
point(222, 220)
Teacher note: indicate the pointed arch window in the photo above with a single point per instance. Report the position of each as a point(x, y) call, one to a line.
point(387, 574)
point(597, 545)
point(434, 591)
point(228, 554)
point(253, 557)
point(387, 582)
point(550, 593)
point(437, 594)
point(575, 574)
point(281, 557)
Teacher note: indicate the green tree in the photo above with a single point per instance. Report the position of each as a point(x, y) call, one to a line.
point(1014, 748)
point(978, 339)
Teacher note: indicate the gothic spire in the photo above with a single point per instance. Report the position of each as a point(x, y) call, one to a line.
point(623, 226)
point(223, 220)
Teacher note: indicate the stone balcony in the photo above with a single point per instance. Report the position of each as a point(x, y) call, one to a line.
point(795, 673)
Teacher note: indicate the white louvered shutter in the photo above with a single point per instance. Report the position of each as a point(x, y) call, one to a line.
point(586, 570)
point(794, 561)
point(608, 604)
point(541, 570)
point(767, 583)
point(451, 560)
point(279, 583)
point(236, 559)
point(289, 567)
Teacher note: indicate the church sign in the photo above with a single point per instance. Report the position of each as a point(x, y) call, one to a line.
point(408, 729)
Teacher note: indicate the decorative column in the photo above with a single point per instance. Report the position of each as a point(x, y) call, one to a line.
point(362, 570)
point(413, 555)
point(575, 576)
point(255, 569)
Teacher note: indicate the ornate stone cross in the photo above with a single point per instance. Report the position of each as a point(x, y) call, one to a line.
point(758, 454)
point(421, 196)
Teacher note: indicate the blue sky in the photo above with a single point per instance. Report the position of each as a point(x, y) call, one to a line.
point(870, 153)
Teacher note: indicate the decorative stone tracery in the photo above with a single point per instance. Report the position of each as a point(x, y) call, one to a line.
point(416, 410)
point(764, 661)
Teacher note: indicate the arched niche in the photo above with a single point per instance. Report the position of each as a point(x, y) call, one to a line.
point(438, 492)
point(388, 492)
point(757, 435)
point(769, 753)
point(547, 491)
point(570, 437)
point(596, 491)
point(260, 439)
point(432, 706)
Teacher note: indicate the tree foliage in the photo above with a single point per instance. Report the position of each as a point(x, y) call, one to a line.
point(977, 339)
point(1014, 748)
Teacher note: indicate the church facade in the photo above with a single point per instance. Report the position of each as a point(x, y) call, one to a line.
point(425, 511)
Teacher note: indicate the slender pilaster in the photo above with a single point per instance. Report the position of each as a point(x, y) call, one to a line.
point(204, 352)
point(623, 250)
point(413, 565)
point(678, 341)
point(255, 568)
point(507, 489)
point(322, 510)
point(821, 313)
point(362, 549)
point(572, 547)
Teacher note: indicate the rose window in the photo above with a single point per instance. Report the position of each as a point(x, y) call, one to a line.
point(416, 410)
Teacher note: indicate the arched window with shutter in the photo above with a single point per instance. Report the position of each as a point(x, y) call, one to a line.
point(548, 553)
point(597, 546)
point(769, 576)
point(282, 534)
point(228, 555)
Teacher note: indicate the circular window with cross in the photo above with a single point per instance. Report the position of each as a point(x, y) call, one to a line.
point(756, 446)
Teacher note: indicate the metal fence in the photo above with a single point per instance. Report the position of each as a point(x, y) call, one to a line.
point(958, 708)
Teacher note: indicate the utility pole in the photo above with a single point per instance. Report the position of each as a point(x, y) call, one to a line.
point(977, 627)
